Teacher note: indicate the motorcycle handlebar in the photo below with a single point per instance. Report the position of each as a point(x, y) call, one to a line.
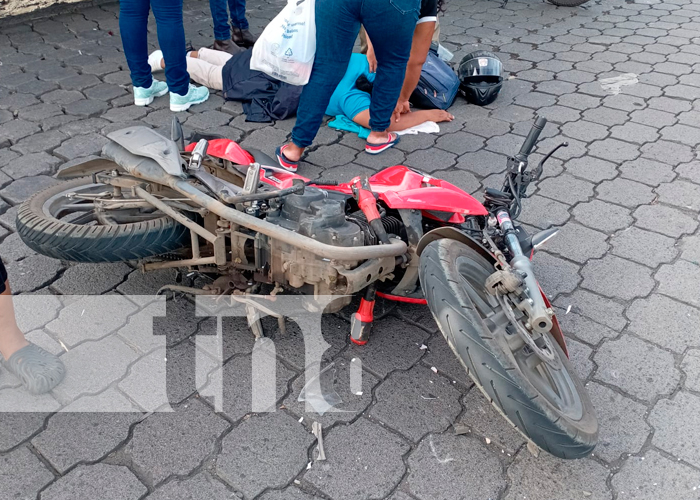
point(532, 137)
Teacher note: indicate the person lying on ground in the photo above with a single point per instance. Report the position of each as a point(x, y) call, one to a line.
point(218, 70)
point(38, 370)
point(353, 97)
point(264, 98)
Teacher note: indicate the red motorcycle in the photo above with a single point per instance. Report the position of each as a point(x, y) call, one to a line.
point(401, 234)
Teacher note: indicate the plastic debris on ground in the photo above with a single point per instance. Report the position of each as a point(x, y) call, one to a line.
point(319, 392)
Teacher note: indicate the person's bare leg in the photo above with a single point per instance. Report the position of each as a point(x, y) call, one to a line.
point(11, 338)
point(203, 71)
point(406, 121)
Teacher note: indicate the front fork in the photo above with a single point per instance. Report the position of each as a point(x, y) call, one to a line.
point(540, 316)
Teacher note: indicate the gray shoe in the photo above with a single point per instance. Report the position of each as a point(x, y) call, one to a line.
point(39, 370)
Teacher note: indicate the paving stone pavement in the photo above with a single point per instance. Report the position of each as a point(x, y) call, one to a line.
point(624, 275)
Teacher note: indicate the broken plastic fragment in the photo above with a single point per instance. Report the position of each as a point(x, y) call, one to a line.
point(434, 369)
point(319, 392)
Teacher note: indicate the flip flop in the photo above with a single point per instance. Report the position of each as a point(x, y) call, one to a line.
point(285, 163)
point(39, 370)
point(375, 149)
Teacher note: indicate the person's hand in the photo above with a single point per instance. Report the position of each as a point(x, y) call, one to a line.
point(371, 59)
point(402, 107)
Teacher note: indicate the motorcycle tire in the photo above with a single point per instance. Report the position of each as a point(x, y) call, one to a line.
point(489, 362)
point(567, 3)
point(55, 238)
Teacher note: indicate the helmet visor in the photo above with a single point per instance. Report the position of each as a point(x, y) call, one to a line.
point(481, 67)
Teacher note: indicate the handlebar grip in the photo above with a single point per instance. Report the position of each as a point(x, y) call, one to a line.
point(532, 137)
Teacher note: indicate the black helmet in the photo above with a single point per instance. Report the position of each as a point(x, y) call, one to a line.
point(481, 74)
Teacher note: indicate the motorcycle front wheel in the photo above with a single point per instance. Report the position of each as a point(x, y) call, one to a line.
point(60, 222)
point(543, 400)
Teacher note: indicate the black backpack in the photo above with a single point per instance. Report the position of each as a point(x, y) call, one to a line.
point(438, 84)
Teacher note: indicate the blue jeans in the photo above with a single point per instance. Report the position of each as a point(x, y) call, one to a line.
point(390, 25)
point(220, 17)
point(133, 24)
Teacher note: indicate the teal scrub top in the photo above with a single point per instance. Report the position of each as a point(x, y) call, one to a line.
point(348, 100)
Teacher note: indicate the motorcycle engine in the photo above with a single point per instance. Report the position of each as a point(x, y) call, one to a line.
point(320, 215)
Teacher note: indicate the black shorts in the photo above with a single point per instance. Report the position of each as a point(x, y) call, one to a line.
point(3, 277)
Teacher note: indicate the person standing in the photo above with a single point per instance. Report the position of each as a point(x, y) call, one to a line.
point(390, 25)
point(133, 24)
point(239, 32)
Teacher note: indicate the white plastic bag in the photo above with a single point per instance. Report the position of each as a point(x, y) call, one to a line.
point(287, 46)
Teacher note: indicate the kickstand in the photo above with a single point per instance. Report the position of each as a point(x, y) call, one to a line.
point(253, 311)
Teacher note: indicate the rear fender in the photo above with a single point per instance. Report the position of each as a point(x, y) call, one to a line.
point(87, 168)
point(456, 234)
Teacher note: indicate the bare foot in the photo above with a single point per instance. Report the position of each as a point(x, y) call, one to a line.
point(293, 152)
point(438, 115)
point(378, 137)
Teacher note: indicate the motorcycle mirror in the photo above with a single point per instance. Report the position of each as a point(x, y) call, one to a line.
point(542, 237)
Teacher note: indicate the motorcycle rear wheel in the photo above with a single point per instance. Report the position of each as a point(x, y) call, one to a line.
point(547, 405)
point(567, 3)
point(44, 223)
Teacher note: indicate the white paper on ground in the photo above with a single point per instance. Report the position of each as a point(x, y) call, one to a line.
point(613, 85)
point(425, 127)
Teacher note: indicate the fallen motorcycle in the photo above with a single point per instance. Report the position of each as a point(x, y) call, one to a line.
point(401, 234)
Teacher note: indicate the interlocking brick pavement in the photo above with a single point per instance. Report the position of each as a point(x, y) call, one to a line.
point(623, 274)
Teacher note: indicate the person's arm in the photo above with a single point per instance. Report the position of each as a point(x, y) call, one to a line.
point(371, 57)
point(422, 37)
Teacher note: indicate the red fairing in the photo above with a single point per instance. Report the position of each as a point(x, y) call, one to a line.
point(401, 187)
point(226, 149)
point(398, 186)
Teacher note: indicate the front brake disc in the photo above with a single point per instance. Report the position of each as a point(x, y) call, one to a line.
point(542, 346)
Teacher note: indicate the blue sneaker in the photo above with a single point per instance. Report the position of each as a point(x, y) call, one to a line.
point(195, 95)
point(144, 96)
